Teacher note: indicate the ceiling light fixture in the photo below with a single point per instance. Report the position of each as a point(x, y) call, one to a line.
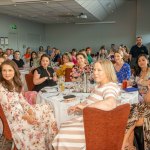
point(82, 15)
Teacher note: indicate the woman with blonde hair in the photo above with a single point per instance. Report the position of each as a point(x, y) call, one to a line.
point(27, 55)
point(67, 63)
point(104, 95)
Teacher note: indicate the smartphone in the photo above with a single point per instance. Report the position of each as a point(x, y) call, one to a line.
point(69, 96)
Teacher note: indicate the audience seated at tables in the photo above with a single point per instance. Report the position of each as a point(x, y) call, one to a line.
point(32, 128)
point(122, 69)
point(34, 63)
point(66, 63)
point(44, 75)
point(18, 60)
point(139, 116)
point(104, 96)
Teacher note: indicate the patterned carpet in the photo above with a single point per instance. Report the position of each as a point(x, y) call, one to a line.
point(7, 145)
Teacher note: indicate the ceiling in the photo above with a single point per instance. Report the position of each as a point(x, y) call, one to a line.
point(61, 11)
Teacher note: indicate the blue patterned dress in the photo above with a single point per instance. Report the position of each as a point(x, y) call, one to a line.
point(124, 73)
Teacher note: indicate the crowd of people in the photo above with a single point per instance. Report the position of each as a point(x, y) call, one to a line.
point(34, 127)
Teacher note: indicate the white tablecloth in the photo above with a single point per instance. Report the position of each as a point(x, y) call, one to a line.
point(55, 99)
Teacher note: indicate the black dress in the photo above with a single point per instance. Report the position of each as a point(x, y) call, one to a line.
point(48, 82)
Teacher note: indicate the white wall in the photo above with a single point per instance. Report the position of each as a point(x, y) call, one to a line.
point(68, 36)
point(28, 33)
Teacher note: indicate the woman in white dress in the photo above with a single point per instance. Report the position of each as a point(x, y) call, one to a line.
point(32, 127)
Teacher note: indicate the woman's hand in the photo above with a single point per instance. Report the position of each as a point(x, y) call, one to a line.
point(55, 78)
point(76, 108)
point(30, 112)
point(54, 127)
point(71, 110)
point(30, 119)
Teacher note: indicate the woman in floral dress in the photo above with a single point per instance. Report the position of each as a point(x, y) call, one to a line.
point(32, 128)
point(81, 67)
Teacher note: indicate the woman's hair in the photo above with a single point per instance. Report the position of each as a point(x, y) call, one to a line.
point(68, 55)
point(17, 84)
point(44, 55)
point(119, 52)
point(138, 69)
point(102, 47)
point(27, 50)
point(81, 54)
point(32, 54)
point(109, 69)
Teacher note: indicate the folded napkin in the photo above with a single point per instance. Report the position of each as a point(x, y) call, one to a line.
point(131, 89)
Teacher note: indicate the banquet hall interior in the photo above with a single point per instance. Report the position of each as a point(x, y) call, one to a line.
point(59, 29)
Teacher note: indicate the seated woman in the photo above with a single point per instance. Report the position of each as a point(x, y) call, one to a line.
point(142, 73)
point(139, 116)
point(80, 68)
point(103, 97)
point(43, 75)
point(56, 57)
point(27, 55)
point(31, 127)
point(73, 54)
point(18, 60)
point(122, 69)
point(102, 54)
point(34, 63)
point(67, 63)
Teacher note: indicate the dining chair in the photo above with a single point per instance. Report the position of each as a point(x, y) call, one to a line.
point(67, 74)
point(104, 130)
point(29, 80)
point(6, 131)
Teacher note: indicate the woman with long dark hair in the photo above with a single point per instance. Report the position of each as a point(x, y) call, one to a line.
point(31, 127)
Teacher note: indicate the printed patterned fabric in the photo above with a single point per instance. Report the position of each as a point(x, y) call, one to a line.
point(137, 111)
point(71, 134)
point(124, 73)
point(25, 135)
